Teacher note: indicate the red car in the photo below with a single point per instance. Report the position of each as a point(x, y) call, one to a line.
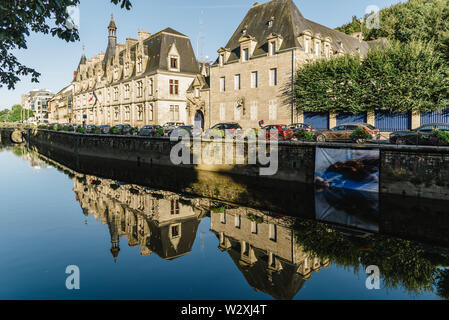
point(284, 132)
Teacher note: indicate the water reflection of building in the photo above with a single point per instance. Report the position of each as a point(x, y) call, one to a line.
point(157, 221)
point(266, 250)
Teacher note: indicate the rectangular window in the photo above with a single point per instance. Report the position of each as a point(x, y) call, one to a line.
point(197, 92)
point(174, 63)
point(306, 46)
point(273, 77)
point(222, 84)
point(254, 80)
point(127, 113)
point(272, 110)
point(273, 232)
point(174, 113)
point(223, 217)
point(237, 221)
point(139, 112)
point(237, 113)
point(237, 82)
point(273, 48)
point(139, 64)
point(151, 113)
point(317, 49)
point(151, 85)
point(174, 207)
point(253, 227)
point(222, 112)
point(254, 111)
point(115, 93)
point(127, 91)
point(175, 231)
point(174, 87)
point(245, 54)
point(140, 89)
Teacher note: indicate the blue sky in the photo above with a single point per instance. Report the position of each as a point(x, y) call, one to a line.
point(56, 59)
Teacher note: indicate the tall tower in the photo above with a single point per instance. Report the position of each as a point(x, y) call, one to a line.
point(112, 40)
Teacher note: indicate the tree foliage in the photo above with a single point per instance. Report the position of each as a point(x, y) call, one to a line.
point(400, 78)
point(414, 20)
point(19, 18)
point(16, 114)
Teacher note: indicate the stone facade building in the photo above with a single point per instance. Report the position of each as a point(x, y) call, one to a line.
point(37, 102)
point(61, 105)
point(143, 81)
point(253, 77)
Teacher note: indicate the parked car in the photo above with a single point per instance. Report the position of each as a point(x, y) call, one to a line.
point(90, 128)
point(193, 132)
point(123, 129)
point(302, 126)
point(151, 131)
point(419, 136)
point(220, 129)
point(284, 132)
point(169, 126)
point(105, 129)
point(343, 132)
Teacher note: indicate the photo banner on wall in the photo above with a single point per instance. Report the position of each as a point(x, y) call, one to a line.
point(347, 169)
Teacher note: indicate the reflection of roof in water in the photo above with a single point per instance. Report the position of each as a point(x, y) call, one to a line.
point(160, 238)
point(281, 285)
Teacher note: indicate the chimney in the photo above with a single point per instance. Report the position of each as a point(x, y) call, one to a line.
point(143, 35)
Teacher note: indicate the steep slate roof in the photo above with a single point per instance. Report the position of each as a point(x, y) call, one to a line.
point(158, 47)
point(289, 23)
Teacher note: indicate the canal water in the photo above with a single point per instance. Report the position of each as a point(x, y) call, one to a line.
point(132, 241)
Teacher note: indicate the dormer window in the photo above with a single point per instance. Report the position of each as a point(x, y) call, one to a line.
point(272, 48)
point(245, 54)
point(139, 64)
point(270, 22)
point(174, 62)
point(221, 60)
point(306, 45)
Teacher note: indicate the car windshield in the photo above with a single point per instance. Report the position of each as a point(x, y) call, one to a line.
point(285, 128)
point(371, 127)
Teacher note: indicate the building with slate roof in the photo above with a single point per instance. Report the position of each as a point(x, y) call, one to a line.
point(140, 82)
point(253, 77)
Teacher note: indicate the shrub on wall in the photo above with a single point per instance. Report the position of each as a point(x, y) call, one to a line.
point(403, 77)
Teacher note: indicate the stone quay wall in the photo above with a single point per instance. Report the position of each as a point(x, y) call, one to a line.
point(417, 171)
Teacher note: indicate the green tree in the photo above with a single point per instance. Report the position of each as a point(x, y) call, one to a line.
point(400, 78)
point(352, 27)
point(414, 20)
point(16, 114)
point(20, 17)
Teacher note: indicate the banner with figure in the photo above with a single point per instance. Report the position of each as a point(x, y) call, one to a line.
point(347, 169)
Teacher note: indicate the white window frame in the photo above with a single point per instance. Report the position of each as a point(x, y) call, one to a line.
point(254, 80)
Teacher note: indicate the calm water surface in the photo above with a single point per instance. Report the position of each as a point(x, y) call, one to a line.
point(133, 242)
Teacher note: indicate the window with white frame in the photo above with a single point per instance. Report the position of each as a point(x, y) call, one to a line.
point(273, 48)
point(254, 227)
point(197, 92)
point(139, 64)
point(116, 93)
point(139, 89)
point(237, 112)
point(140, 112)
point(306, 45)
point(237, 82)
point(238, 221)
point(127, 113)
point(222, 112)
point(273, 77)
point(317, 48)
point(174, 62)
point(174, 113)
point(254, 79)
point(222, 84)
point(254, 111)
point(151, 112)
point(127, 91)
point(272, 110)
point(245, 54)
point(151, 86)
point(273, 232)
